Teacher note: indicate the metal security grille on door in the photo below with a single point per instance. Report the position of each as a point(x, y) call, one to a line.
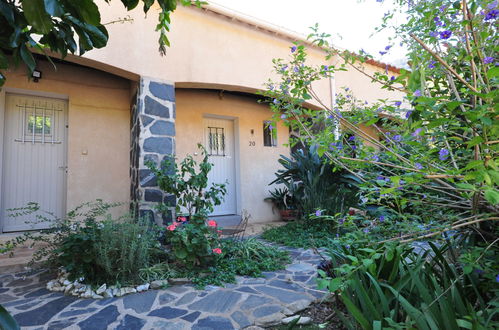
point(216, 141)
point(37, 120)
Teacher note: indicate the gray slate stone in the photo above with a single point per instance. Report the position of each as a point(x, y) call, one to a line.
point(77, 312)
point(186, 299)
point(191, 317)
point(153, 195)
point(286, 285)
point(168, 312)
point(146, 120)
point(282, 295)
point(166, 298)
point(162, 91)
point(247, 289)
point(130, 322)
point(159, 145)
point(140, 302)
point(43, 314)
point(101, 320)
point(254, 301)
point(240, 319)
point(153, 107)
point(266, 310)
point(162, 127)
point(213, 323)
point(147, 178)
point(221, 301)
point(300, 267)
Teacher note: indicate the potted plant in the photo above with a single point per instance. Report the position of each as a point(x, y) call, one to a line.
point(284, 202)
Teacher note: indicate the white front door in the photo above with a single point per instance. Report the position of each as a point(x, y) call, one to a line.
point(219, 143)
point(34, 160)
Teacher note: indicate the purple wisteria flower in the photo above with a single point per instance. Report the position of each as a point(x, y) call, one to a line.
point(382, 52)
point(293, 49)
point(341, 221)
point(442, 8)
point(388, 47)
point(354, 147)
point(497, 278)
point(488, 60)
point(418, 166)
point(271, 127)
point(382, 218)
point(351, 138)
point(296, 69)
point(392, 78)
point(397, 138)
point(443, 154)
point(408, 114)
point(325, 67)
point(380, 177)
point(284, 67)
point(276, 101)
point(417, 93)
point(283, 116)
point(375, 158)
point(347, 89)
point(491, 15)
point(445, 34)
point(434, 34)
point(318, 213)
point(398, 103)
point(366, 230)
point(493, 4)
point(416, 132)
point(432, 64)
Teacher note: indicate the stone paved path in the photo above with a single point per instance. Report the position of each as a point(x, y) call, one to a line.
point(252, 301)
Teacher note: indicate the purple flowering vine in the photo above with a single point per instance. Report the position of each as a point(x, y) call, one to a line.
point(445, 34)
point(398, 103)
point(434, 34)
point(318, 213)
point(417, 93)
point(443, 154)
point(293, 49)
point(491, 15)
point(382, 218)
point(418, 166)
point(488, 60)
point(408, 114)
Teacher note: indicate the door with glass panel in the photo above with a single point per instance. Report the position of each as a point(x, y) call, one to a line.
point(219, 143)
point(34, 161)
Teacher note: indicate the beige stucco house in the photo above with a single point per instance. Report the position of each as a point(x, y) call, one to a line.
point(83, 131)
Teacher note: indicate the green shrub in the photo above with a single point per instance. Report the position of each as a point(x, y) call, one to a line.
point(301, 234)
point(390, 286)
point(244, 258)
point(315, 184)
point(192, 239)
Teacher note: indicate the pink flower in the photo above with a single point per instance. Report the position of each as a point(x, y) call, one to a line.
point(182, 219)
point(217, 251)
point(212, 223)
point(171, 227)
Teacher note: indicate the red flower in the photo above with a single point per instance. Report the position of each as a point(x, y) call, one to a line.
point(351, 212)
point(171, 227)
point(217, 251)
point(212, 223)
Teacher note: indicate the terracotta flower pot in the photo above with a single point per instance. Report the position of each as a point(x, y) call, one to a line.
point(288, 215)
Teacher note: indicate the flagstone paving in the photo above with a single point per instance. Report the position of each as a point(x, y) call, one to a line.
point(252, 301)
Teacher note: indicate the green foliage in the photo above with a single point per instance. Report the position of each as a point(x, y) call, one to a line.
point(7, 322)
point(188, 181)
point(244, 258)
point(315, 184)
point(390, 285)
point(192, 243)
point(302, 234)
point(282, 199)
point(52, 25)
point(89, 244)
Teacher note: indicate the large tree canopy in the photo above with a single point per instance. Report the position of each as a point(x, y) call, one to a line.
point(63, 26)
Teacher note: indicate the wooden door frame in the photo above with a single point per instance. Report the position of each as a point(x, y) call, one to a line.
point(3, 99)
point(237, 158)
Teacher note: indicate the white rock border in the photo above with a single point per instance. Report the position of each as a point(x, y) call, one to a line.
point(79, 289)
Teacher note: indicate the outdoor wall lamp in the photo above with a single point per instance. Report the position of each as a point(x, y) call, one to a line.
point(36, 75)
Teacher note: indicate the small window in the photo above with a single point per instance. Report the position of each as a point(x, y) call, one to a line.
point(216, 141)
point(269, 134)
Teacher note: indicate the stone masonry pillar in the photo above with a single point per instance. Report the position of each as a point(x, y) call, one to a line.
point(152, 138)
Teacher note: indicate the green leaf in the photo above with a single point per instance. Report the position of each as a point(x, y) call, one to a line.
point(7, 11)
point(7, 322)
point(130, 4)
point(492, 196)
point(87, 10)
point(53, 7)
point(4, 62)
point(335, 284)
point(28, 58)
point(34, 11)
point(476, 140)
point(492, 73)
